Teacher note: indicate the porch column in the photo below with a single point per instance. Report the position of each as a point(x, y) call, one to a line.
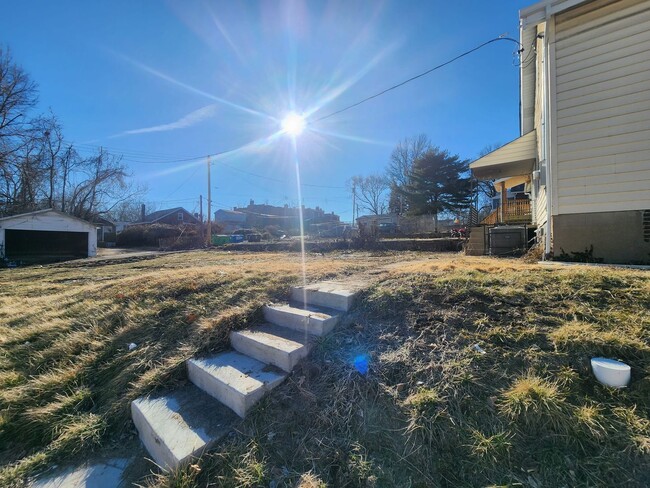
point(504, 202)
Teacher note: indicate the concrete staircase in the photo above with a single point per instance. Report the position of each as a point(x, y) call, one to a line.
point(476, 244)
point(179, 426)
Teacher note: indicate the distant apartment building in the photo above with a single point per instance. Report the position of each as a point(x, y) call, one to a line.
point(260, 216)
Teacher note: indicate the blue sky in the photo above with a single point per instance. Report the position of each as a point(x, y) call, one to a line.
point(163, 81)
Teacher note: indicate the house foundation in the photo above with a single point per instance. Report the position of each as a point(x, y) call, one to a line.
point(617, 237)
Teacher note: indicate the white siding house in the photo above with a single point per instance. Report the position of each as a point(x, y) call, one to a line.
point(46, 234)
point(585, 95)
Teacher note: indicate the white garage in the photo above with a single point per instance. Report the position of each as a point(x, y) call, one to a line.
point(46, 235)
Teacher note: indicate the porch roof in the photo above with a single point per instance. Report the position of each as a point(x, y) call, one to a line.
point(514, 159)
point(512, 181)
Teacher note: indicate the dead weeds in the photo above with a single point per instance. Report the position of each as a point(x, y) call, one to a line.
point(432, 410)
point(67, 371)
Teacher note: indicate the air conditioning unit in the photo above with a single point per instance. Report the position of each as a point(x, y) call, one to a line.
point(507, 240)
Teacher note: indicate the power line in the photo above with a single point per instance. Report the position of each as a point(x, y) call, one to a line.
point(137, 156)
point(154, 159)
point(532, 50)
point(180, 200)
point(500, 38)
point(278, 179)
point(88, 146)
point(184, 181)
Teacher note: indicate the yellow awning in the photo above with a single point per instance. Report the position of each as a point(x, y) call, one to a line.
point(514, 159)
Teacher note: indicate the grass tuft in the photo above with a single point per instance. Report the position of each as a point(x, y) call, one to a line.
point(534, 400)
point(425, 401)
point(310, 480)
point(590, 419)
point(491, 448)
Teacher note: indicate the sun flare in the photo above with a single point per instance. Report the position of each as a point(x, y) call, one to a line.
point(293, 124)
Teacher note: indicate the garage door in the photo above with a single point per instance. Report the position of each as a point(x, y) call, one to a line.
point(44, 245)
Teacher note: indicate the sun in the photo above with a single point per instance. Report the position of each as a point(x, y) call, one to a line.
point(293, 124)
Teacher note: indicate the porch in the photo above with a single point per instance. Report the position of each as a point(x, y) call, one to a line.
point(513, 212)
point(510, 166)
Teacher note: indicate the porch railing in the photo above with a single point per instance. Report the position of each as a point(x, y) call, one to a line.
point(516, 211)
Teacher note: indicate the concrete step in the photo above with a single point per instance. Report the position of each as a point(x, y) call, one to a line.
point(314, 320)
point(330, 294)
point(176, 427)
point(105, 474)
point(272, 344)
point(237, 381)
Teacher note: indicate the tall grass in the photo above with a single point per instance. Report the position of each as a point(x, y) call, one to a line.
point(431, 411)
point(434, 411)
point(66, 369)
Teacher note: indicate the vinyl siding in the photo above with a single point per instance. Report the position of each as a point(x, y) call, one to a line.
point(539, 203)
point(528, 77)
point(603, 107)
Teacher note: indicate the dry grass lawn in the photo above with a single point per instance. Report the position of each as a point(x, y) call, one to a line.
point(432, 410)
point(66, 372)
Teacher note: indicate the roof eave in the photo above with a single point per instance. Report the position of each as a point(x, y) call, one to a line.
point(542, 11)
point(45, 210)
point(506, 170)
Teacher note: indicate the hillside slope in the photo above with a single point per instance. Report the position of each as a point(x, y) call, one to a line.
point(431, 409)
point(67, 373)
point(434, 411)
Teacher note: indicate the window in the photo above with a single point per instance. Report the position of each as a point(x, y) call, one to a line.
point(180, 215)
point(517, 189)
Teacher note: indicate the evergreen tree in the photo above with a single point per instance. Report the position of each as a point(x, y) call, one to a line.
point(439, 182)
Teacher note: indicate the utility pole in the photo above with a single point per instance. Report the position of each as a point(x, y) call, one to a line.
point(209, 206)
point(201, 216)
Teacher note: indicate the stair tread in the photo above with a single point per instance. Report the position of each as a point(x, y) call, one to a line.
point(181, 424)
point(340, 288)
point(240, 372)
point(320, 313)
point(337, 295)
point(276, 337)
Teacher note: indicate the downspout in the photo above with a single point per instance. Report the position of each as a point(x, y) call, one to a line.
point(549, 121)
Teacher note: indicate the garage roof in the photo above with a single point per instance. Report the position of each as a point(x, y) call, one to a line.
point(45, 211)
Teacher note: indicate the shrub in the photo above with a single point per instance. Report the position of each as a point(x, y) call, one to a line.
point(150, 235)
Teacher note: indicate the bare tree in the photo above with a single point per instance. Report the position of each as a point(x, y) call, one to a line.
point(70, 160)
point(17, 96)
point(400, 167)
point(129, 211)
point(371, 192)
point(104, 186)
point(48, 132)
point(37, 169)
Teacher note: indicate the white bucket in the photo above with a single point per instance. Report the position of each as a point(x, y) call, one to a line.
point(611, 372)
